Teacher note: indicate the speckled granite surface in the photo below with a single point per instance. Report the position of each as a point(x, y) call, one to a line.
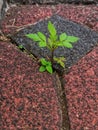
point(82, 92)
point(81, 82)
point(28, 100)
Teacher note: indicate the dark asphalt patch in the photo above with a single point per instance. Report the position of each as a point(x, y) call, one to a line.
point(88, 39)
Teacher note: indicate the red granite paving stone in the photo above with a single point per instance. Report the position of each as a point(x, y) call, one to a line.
point(81, 87)
point(18, 17)
point(86, 15)
point(82, 93)
point(28, 100)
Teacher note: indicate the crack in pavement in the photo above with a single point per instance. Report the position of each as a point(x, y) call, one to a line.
point(65, 122)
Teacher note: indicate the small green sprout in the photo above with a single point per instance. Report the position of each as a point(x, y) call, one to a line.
point(21, 47)
point(52, 43)
point(60, 60)
point(45, 65)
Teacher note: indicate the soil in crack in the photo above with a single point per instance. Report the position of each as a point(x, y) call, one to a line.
point(65, 122)
point(59, 87)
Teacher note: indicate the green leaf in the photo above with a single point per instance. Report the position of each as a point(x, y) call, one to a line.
point(63, 37)
point(43, 61)
point(49, 69)
point(42, 68)
point(49, 63)
point(60, 60)
point(42, 44)
point(42, 36)
point(67, 44)
point(72, 39)
point(53, 38)
point(51, 29)
point(34, 37)
point(21, 47)
point(49, 45)
point(62, 64)
point(60, 44)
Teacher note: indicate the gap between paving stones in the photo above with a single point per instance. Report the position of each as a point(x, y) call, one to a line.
point(64, 121)
point(60, 90)
point(79, 51)
point(41, 2)
point(62, 96)
point(59, 80)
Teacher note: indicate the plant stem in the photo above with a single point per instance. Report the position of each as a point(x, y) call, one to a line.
point(52, 54)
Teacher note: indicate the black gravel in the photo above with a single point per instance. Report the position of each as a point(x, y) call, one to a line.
point(88, 39)
point(54, 1)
